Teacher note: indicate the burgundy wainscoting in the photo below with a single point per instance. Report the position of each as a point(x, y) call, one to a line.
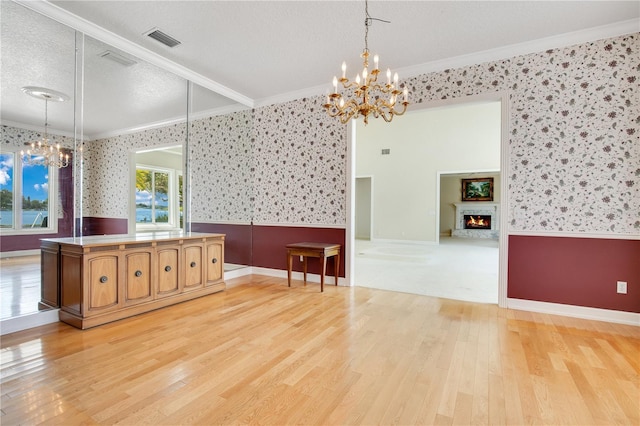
point(65, 224)
point(104, 226)
point(575, 271)
point(269, 246)
point(237, 240)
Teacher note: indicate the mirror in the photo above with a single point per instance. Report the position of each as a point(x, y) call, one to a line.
point(37, 201)
point(124, 106)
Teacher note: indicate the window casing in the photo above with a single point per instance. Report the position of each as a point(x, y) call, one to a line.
point(157, 198)
point(27, 196)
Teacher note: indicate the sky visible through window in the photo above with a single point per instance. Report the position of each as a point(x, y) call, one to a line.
point(35, 178)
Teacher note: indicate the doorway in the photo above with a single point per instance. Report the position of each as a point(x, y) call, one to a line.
point(413, 229)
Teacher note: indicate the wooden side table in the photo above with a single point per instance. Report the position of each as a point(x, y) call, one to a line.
point(320, 250)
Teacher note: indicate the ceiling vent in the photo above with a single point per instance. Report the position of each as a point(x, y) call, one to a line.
point(116, 57)
point(162, 37)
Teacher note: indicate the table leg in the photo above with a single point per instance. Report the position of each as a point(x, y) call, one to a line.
point(289, 266)
point(304, 268)
point(336, 264)
point(322, 271)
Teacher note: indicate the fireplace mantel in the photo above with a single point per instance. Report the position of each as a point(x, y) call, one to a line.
point(477, 208)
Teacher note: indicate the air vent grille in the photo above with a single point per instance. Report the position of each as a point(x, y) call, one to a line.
point(162, 37)
point(116, 57)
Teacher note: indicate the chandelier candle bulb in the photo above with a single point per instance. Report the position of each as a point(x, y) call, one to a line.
point(375, 61)
point(395, 80)
point(405, 92)
point(344, 69)
point(335, 84)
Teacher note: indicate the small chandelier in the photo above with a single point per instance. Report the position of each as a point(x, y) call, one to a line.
point(370, 97)
point(42, 152)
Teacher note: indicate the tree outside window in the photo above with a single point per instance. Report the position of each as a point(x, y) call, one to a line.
point(154, 205)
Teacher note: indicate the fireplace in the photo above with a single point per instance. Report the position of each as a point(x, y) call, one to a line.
point(477, 221)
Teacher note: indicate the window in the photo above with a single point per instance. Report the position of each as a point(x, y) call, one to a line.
point(157, 205)
point(25, 194)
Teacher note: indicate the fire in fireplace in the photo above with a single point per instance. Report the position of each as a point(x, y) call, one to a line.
point(477, 221)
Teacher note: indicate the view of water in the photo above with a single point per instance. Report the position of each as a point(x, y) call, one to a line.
point(144, 215)
point(28, 218)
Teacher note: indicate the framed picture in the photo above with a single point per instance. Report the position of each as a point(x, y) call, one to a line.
point(477, 189)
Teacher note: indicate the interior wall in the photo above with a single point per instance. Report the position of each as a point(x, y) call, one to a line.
point(460, 137)
point(363, 208)
point(451, 193)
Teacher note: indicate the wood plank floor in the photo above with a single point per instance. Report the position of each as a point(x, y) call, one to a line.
point(263, 353)
point(19, 286)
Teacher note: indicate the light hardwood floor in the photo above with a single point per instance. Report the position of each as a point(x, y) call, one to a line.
point(263, 353)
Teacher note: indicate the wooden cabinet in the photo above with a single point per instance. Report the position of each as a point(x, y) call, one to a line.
point(103, 279)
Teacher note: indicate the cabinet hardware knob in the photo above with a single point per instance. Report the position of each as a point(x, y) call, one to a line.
point(167, 268)
point(103, 279)
point(193, 264)
point(214, 260)
point(138, 273)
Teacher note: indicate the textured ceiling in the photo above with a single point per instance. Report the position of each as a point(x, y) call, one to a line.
point(263, 50)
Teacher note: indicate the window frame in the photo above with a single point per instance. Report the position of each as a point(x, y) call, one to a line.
point(174, 202)
point(17, 185)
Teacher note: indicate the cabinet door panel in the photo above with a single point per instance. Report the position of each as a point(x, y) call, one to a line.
point(138, 277)
point(192, 266)
point(214, 262)
point(103, 282)
point(168, 271)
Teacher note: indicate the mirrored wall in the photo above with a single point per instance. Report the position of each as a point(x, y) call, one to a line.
point(150, 150)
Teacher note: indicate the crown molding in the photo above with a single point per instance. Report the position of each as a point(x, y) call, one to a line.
point(170, 122)
point(534, 46)
point(80, 24)
point(37, 129)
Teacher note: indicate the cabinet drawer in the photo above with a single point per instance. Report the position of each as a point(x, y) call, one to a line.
point(168, 271)
point(214, 263)
point(137, 286)
point(103, 283)
point(192, 267)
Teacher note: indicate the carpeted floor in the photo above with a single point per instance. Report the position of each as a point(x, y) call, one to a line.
point(457, 268)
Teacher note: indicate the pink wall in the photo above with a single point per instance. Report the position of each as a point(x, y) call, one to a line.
point(269, 246)
point(237, 240)
point(575, 271)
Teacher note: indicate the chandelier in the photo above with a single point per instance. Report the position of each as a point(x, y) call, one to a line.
point(368, 96)
point(43, 152)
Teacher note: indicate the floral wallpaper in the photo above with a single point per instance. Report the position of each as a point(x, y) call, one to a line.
point(220, 162)
point(220, 165)
point(574, 161)
point(574, 127)
point(575, 147)
point(299, 165)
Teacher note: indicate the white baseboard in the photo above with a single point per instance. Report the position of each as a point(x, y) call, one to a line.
point(18, 253)
point(596, 314)
point(311, 278)
point(24, 322)
point(239, 272)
